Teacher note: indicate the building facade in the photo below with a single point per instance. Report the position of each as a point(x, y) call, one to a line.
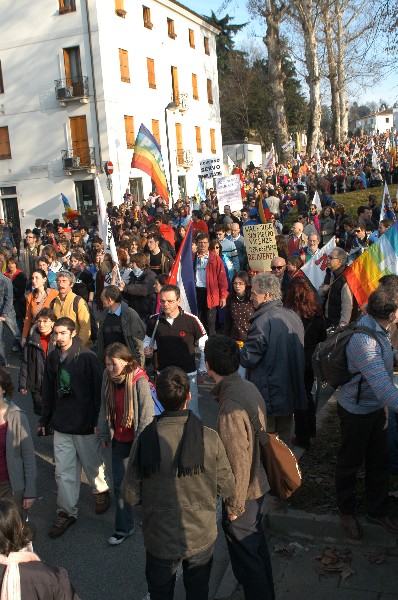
point(77, 79)
point(380, 122)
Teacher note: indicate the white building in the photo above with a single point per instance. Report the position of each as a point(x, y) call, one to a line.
point(115, 64)
point(243, 153)
point(379, 121)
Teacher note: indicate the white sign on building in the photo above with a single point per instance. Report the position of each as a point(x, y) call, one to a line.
point(211, 167)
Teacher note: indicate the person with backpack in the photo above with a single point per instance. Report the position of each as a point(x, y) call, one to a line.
point(127, 408)
point(362, 409)
point(68, 304)
point(242, 509)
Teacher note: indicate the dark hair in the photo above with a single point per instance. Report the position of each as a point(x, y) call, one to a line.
point(245, 277)
point(118, 350)
point(171, 288)
point(302, 299)
point(222, 354)
point(382, 302)
point(202, 236)
point(390, 280)
point(154, 236)
point(361, 209)
point(46, 312)
point(220, 228)
point(44, 259)
point(6, 382)
point(13, 536)
point(112, 292)
point(386, 223)
point(172, 388)
point(295, 260)
point(162, 279)
point(65, 322)
point(197, 214)
point(213, 244)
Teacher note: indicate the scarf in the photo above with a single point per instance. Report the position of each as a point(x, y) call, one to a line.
point(130, 396)
point(190, 454)
point(11, 587)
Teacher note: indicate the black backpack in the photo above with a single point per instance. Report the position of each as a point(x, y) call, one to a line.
point(329, 360)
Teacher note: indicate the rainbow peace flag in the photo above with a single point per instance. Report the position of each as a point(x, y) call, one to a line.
point(69, 212)
point(380, 259)
point(148, 158)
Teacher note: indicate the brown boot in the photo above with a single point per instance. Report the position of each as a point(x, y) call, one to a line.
point(351, 526)
point(102, 502)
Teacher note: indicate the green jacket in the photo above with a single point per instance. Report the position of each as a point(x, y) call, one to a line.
point(179, 514)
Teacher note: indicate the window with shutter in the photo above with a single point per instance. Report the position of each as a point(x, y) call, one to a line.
point(124, 65)
point(180, 151)
point(213, 141)
point(66, 6)
point(198, 135)
point(119, 8)
point(206, 45)
point(150, 63)
point(191, 34)
point(170, 29)
point(5, 148)
point(146, 15)
point(174, 84)
point(1, 80)
point(195, 93)
point(155, 130)
point(129, 128)
point(209, 92)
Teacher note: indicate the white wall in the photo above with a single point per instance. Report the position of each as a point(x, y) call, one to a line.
point(31, 43)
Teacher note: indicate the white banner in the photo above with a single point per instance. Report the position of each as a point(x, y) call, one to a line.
point(211, 167)
point(317, 201)
point(228, 192)
point(104, 226)
point(315, 269)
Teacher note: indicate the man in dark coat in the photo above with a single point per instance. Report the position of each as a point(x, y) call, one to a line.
point(274, 355)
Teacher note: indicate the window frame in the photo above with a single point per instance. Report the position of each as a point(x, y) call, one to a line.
point(129, 131)
point(210, 98)
point(198, 137)
point(170, 29)
point(191, 38)
point(150, 65)
point(127, 66)
point(66, 6)
point(146, 17)
point(213, 147)
point(195, 89)
point(206, 44)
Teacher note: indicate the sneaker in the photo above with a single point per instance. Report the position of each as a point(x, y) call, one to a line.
point(118, 538)
point(102, 502)
point(61, 524)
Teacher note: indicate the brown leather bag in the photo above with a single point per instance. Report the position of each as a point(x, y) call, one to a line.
point(279, 462)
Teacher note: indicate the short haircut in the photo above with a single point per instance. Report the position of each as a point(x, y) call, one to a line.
point(162, 279)
point(112, 292)
point(154, 236)
point(222, 354)
point(46, 313)
point(386, 223)
point(295, 260)
point(202, 236)
point(172, 388)
point(67, 275)
point(341, 254)
point(221, 228)
point(197, 214)
point(362, 209)
point(390, 280)
point(382, 302)
point(65, 322)
point(268, 283)
point(171, 288)
point(6, 382)
point(372, 198)
point(314, 233)
point(140, 259)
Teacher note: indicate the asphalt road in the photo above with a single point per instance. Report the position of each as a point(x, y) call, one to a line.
point(97, 571)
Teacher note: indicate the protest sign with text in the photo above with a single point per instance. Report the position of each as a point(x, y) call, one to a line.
point(260, 245)
point(228, 192)
point(211, 167)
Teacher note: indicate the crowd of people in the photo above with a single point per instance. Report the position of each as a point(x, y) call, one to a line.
point(111, 360)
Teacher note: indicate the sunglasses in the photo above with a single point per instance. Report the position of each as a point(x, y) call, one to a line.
point(279, 268)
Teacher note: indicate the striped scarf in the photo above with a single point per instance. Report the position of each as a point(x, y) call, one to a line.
point(130, 395)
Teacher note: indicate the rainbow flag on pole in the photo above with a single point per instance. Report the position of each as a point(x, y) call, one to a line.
point(148, 158)
point(380, 259)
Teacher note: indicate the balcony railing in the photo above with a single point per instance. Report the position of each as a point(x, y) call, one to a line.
point(71, 88)
point(183, 102)
point(78, 159)
point(184, 158)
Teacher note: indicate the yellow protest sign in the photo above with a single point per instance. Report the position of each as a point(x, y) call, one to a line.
point(260, 245)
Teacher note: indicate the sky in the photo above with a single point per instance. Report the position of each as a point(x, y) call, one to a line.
point(386, 89)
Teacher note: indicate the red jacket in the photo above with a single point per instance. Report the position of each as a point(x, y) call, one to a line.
point(216, 280)
point(168, 233)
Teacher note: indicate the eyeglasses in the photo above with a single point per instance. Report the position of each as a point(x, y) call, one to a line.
point(278, 267)
point(333, 257)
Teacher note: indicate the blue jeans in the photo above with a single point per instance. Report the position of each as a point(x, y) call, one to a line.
point(193, 404)
point(124, 520)
point(13, 327)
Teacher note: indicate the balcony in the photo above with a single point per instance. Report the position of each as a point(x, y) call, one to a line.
point(72, 89)
point(183, 102)
point(78, 159)
point(185, 158)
